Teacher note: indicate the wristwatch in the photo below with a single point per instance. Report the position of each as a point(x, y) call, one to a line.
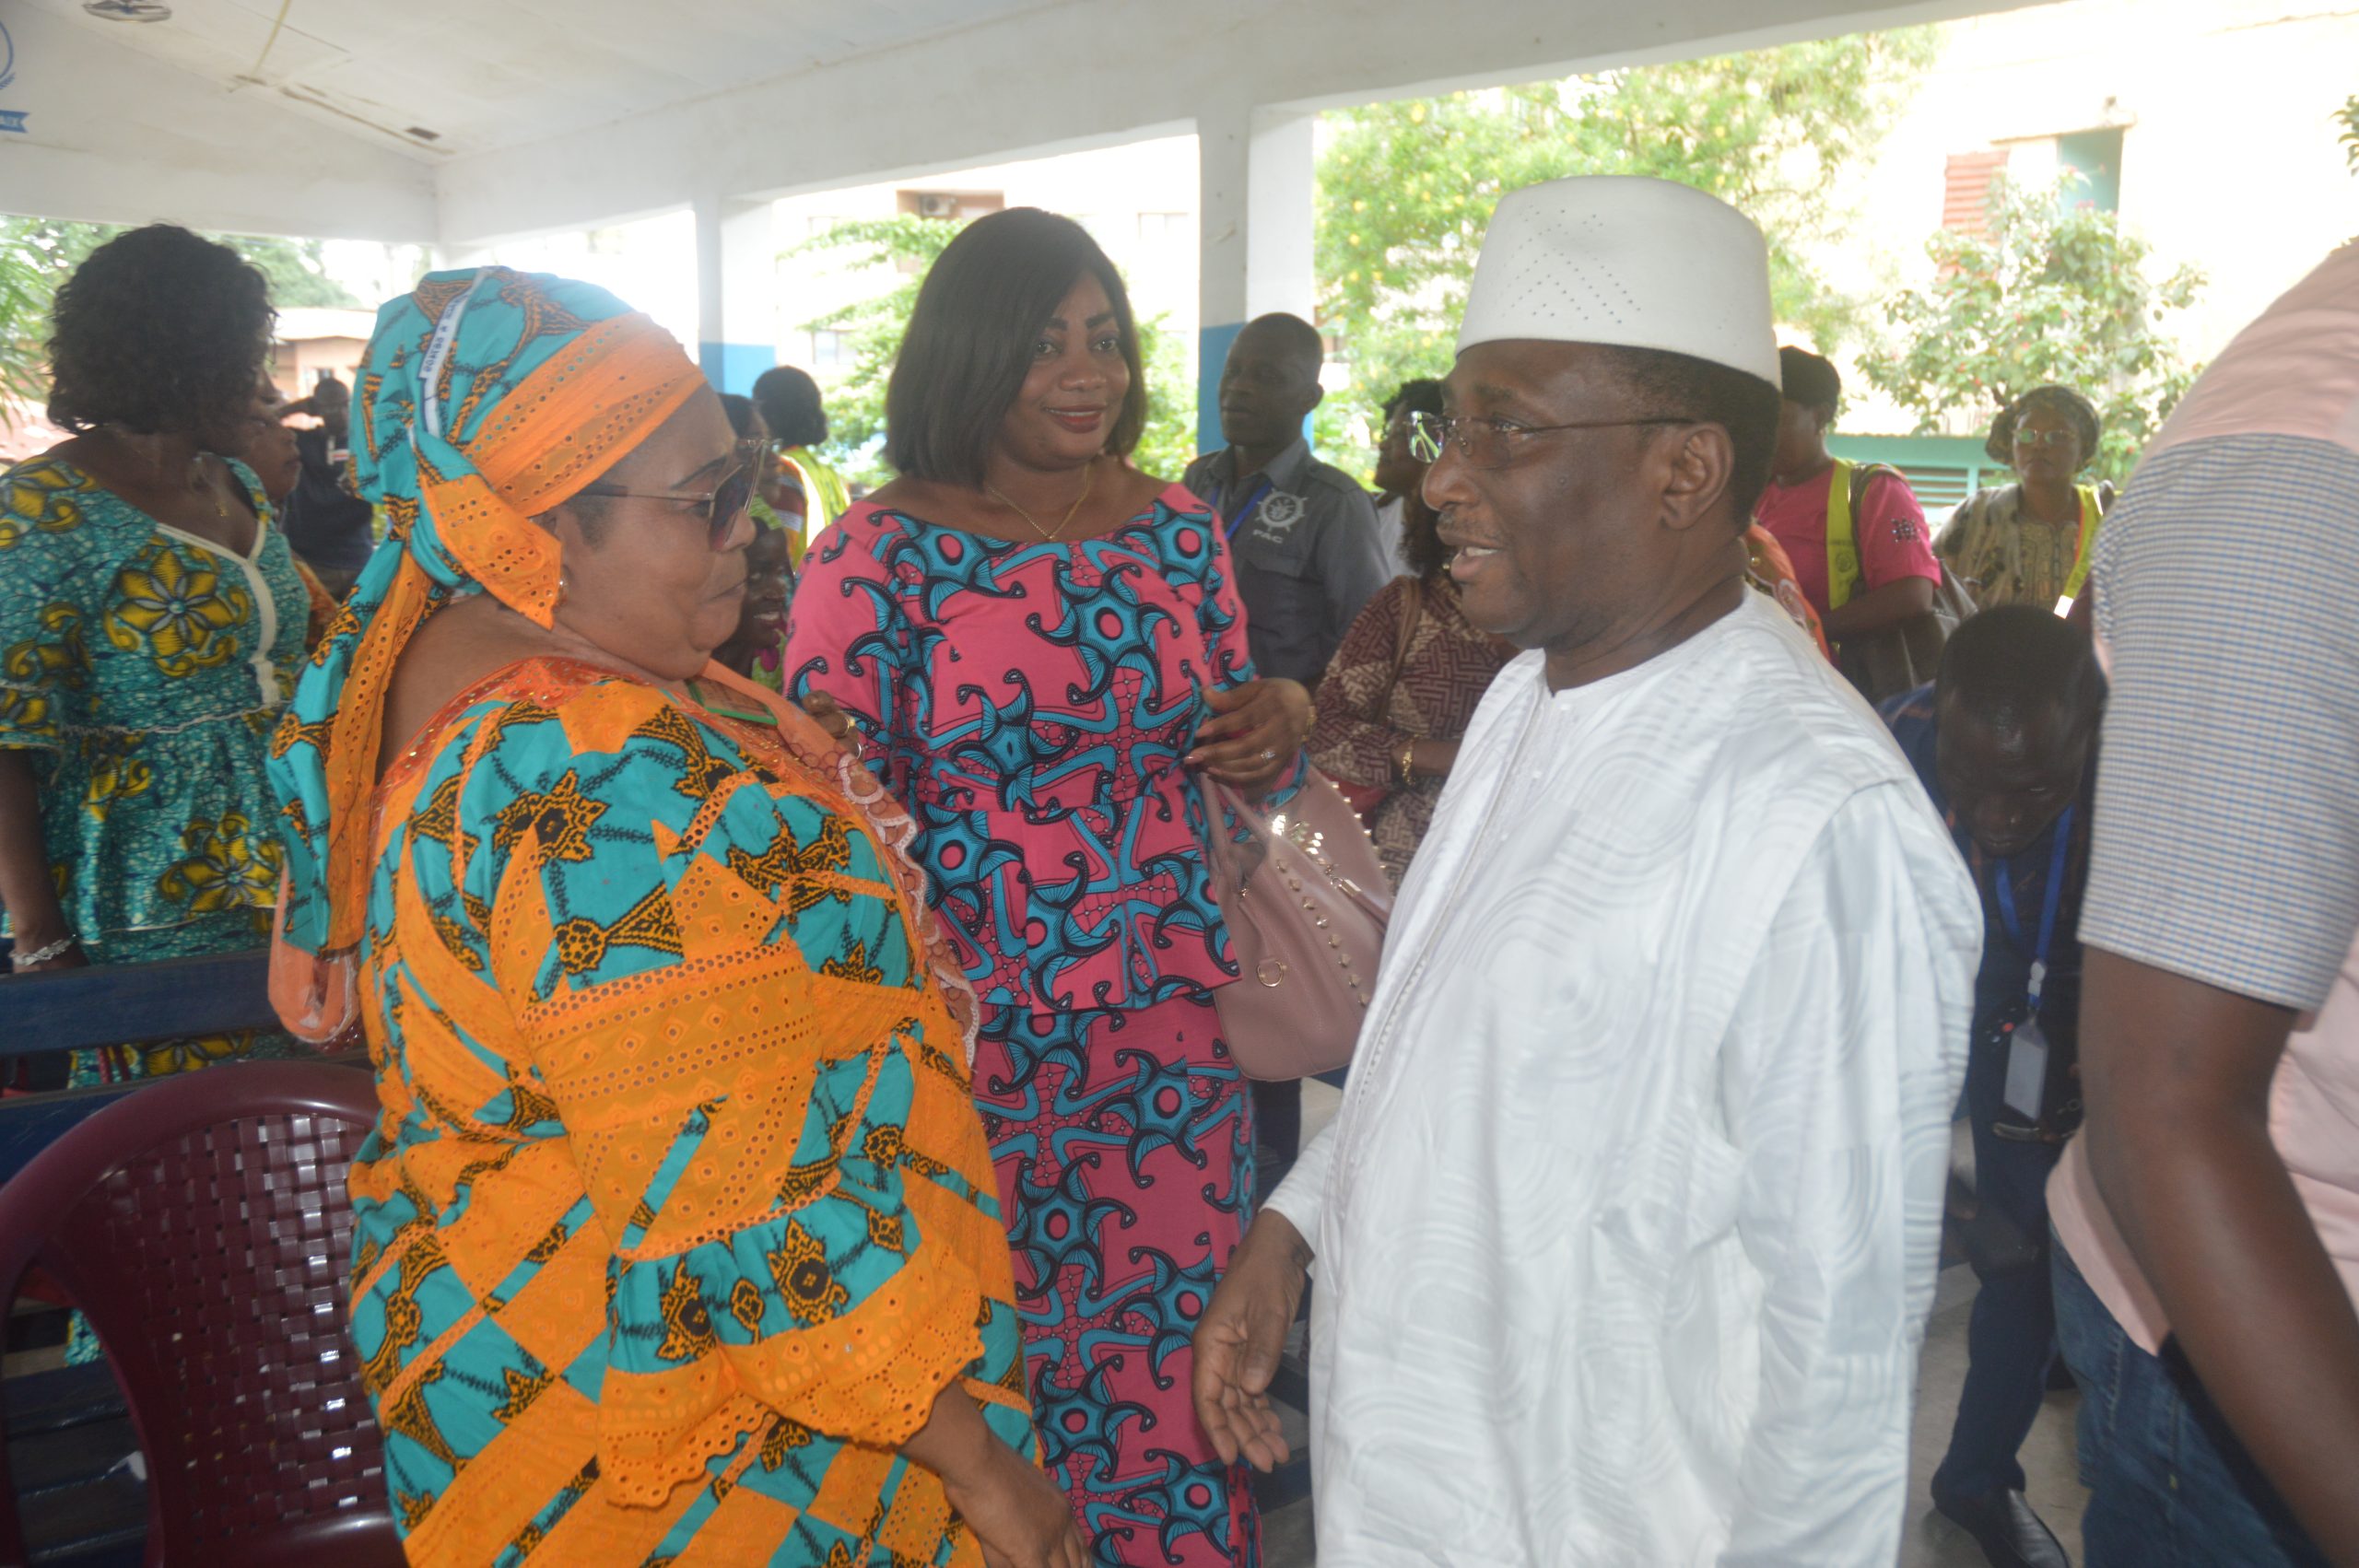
point(1406, 760)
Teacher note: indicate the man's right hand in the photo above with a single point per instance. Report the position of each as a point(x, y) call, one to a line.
point(1241, 1337)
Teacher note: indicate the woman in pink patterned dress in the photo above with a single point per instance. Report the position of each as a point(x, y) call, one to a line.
point(1042, 650)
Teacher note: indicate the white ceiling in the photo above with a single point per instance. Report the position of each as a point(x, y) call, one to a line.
point(490, 73)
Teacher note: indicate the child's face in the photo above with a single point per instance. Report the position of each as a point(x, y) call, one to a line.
point(763, 619)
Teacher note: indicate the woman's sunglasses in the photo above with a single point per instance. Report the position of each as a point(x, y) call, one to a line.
point(727, 506)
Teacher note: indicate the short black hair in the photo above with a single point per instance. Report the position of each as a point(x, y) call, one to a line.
point(2014, 662)
point(1744, 405)
point(789, 400)
point(740, 410)
point(160, 330)
point(1421, 395)
point(1297, 335)
point(969, 345)
point(1809, 379)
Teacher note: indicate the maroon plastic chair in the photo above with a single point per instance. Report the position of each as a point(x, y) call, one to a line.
point(202, 1224)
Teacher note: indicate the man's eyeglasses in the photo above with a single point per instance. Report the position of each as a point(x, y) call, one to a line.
point(2045, 438)
point(727, 506)
point(1487, 442)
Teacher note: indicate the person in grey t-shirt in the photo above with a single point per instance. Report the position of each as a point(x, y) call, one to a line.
point(1302, 532)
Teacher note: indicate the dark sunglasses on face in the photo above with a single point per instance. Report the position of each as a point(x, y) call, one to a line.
point(727, 506)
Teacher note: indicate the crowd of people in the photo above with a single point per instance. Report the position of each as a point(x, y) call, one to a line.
point(787, 933)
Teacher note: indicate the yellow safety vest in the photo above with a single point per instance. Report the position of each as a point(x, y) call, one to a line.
point(1842, 539)
point(825, 498)
point(2092, 513)
point(1843, 574)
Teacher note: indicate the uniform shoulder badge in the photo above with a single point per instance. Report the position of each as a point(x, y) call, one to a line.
point(1281, 511)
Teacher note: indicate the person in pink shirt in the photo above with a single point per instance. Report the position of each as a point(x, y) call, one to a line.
point(1889, 574)
point(2208, 1215)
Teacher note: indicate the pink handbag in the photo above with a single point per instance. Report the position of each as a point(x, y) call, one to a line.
point(1305, 900)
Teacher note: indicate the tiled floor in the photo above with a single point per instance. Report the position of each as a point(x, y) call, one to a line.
point(1928, 1540)
point(2052, 1479)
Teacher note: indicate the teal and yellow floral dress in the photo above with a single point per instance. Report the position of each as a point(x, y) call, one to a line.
point(145, 668)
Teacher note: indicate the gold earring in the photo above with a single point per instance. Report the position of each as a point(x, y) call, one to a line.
point(564, 585)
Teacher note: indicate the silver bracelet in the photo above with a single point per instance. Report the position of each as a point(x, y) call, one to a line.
point(43, 954)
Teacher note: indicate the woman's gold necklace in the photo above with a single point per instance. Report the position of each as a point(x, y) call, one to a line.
point(1088, 477)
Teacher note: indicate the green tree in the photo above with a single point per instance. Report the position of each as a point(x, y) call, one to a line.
point(1169, 443)
point(1406, 189)
point(24, 321)
point(873, 329)
point(2348, 118)
point(2052, 291)
point(296, 269)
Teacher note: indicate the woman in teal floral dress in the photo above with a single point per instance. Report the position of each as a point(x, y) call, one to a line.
point(151, 627)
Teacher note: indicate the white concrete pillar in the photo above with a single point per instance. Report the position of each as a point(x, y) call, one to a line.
point(1256, 189)
point(736, 278)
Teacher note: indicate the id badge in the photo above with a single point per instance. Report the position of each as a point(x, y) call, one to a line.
point(2026, 1091)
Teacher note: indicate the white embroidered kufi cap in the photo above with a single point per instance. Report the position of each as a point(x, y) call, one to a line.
point(1628, 261)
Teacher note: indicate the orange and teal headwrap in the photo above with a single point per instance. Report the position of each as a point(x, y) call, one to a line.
point(488, 397)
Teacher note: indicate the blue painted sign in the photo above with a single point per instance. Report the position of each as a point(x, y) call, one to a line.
point(10, 119)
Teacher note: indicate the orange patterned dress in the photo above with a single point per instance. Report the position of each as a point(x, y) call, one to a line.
point(679, 1214)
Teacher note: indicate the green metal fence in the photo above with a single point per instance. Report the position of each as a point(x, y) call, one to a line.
point(1942, 470)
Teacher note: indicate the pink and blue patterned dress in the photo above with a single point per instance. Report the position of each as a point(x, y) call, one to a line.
point(1032, 704)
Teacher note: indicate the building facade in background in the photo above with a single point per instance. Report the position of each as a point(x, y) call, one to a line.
point(2206, 125)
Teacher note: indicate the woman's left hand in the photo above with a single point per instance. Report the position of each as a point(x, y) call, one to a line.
point(831, 718)
point(1254, 734)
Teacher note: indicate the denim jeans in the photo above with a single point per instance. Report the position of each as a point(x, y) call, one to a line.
point(2171, 1486)
point(2011, 1337)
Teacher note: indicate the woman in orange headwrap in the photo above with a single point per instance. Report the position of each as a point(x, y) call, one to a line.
point(676, 1240)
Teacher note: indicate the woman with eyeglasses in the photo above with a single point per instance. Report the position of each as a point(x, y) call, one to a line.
point(1044, 649)
point(1398, 471)
point(1406, 681)
point(2029, 543)
point(675, 1238)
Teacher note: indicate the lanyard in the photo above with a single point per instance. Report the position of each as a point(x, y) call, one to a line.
point(1261, 492)
point(2049, 902)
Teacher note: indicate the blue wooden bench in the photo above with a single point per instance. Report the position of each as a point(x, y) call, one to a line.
point(68, 1432)
point(80, 1008)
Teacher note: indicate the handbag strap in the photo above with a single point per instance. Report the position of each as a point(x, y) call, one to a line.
point(1412, 613)
point(1230, 863)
